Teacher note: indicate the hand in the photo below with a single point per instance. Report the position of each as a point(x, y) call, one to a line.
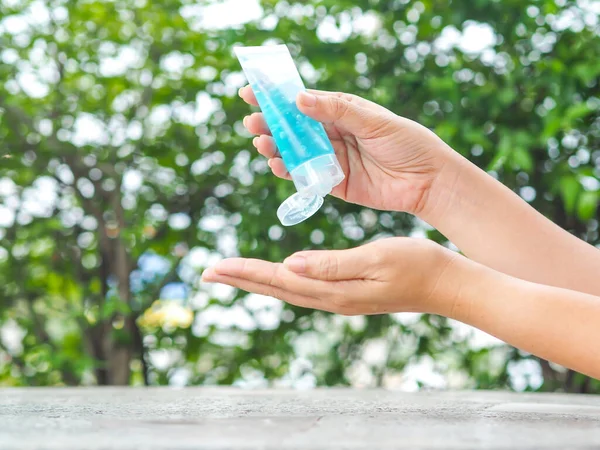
point(391, 163)
point(403, 274)
point(386, 276)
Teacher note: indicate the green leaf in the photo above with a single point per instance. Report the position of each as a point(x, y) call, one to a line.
point(587, 205)
point(569, 191)
point(521, 159)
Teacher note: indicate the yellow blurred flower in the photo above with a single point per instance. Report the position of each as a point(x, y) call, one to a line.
point(167, 313)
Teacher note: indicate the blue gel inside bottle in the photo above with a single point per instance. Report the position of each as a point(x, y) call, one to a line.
point(298, 137)
point(301, 141)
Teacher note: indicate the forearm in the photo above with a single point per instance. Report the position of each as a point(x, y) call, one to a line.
point(491, 224)
point(553, 323)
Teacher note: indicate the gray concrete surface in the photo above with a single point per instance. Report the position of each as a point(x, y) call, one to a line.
point(213, 418)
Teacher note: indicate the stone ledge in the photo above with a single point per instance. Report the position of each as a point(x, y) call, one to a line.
point(226, 418)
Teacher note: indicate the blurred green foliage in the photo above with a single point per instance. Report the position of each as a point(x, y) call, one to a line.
point(125, 171)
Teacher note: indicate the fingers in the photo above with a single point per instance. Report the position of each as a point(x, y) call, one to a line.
point(262, 289)
point(266, 146)
point(271, 274)
point(343, 110)
point(342, 282)
point(264, 143)
point(278, 168)
point(334, 265)
point(255, 123)
point(247, 94)
point(355, 99)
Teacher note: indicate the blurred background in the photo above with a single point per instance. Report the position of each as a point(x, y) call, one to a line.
point(125, 171)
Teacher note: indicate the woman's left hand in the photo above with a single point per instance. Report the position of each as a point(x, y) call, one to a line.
point(385, 276)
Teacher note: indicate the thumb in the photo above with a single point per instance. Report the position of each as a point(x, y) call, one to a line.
point(330, 265)
point(331, 108)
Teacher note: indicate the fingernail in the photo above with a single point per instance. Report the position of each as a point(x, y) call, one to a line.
point(240, 91)
point(244, 121)
point(255, 142)
point(295, 264)
point(307, 99)
point(208, 274)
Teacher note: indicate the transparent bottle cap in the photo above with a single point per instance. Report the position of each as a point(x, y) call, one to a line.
point(314, 180)
point(298, 208)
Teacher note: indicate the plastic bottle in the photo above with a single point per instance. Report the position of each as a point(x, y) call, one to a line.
point(302, 142)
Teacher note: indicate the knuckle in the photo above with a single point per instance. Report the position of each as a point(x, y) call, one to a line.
point(244, 269)
point(328, 268)
point(345, 96)
point(276, 276)
point(339, 106)
point(350, 98)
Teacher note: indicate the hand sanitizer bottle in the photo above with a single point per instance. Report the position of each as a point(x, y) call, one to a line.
point(302, 142)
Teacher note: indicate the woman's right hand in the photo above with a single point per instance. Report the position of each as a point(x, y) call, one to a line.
point(391, 163)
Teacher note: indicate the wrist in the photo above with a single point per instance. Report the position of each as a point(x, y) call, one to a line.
point(445, 278)
point(456, 285)
point(467, 288)
point(447, 188)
